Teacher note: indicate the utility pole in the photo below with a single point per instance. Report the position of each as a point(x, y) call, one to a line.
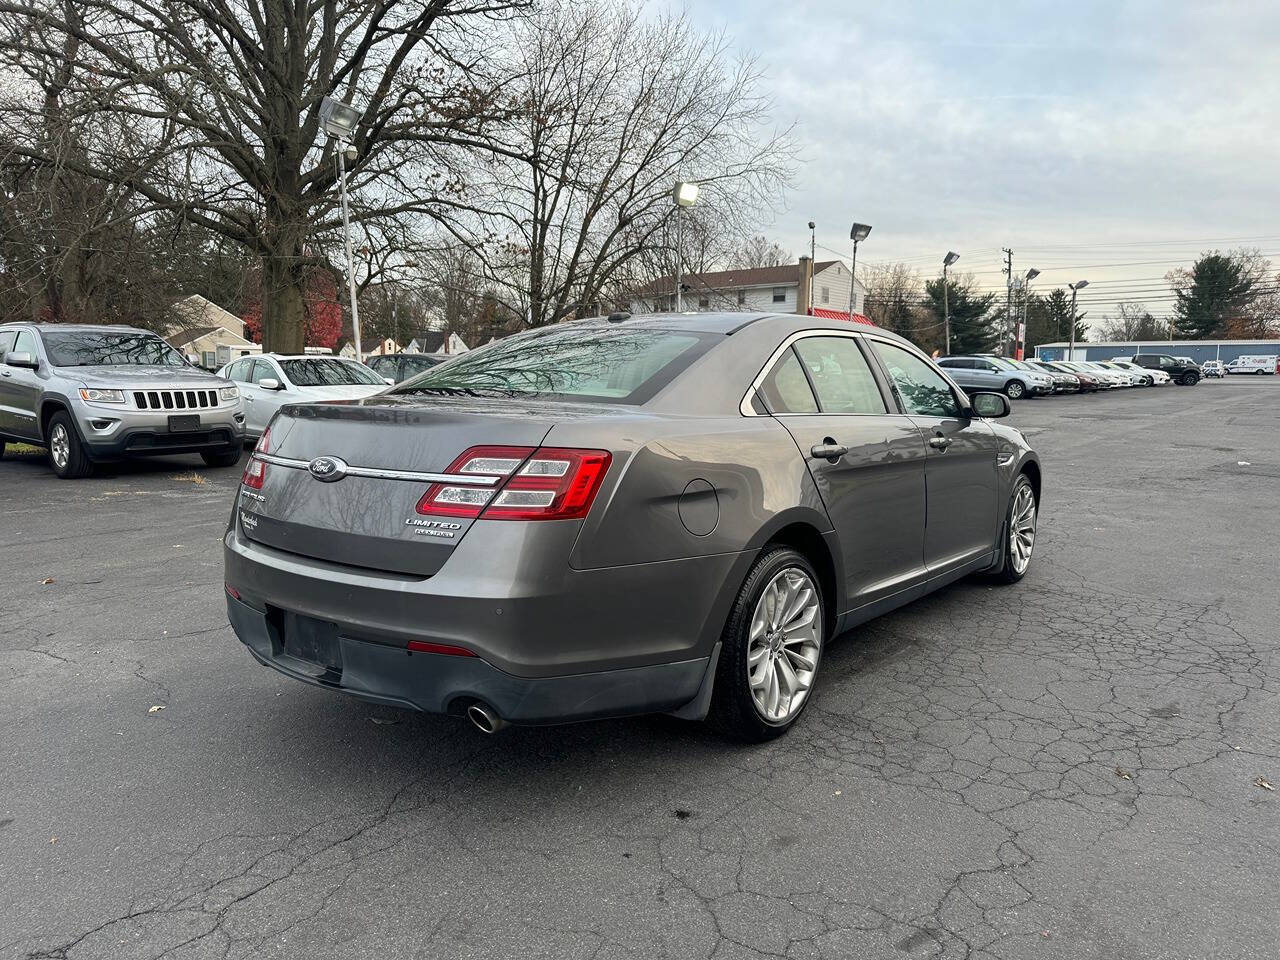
point(813, 253)
point(1008, 309)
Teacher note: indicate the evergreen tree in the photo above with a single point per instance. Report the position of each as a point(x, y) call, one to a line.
point(1218, 289)
point(973, 329)
point(1056, 321)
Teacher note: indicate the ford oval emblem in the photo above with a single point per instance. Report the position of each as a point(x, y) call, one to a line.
point(328, 469)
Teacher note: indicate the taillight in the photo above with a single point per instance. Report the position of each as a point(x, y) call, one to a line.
point(549, 483)
point(255, 471)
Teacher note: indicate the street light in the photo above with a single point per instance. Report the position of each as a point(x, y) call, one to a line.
point(813, 255)
point(684, 194)
point(857, 234)
point(947, 261)
point(1071, 319)
point(338, 120)
point(1020, 333)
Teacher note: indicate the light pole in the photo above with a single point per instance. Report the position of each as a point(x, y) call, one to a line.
point(947, 261)
point(684, 194)
point(1020, 339)
point(1077, 286)
point(339, 120)
point(813, 253)
point(857, 234)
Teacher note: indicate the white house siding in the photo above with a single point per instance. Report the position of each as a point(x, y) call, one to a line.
point(836, 280)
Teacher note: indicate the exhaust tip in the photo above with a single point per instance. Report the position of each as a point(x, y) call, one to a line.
point(485, 720)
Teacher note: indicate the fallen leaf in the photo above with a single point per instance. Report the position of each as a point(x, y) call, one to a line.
point(53, 839)
point(1123, 774)
point(156, 709)
point(1243, 463)
point(46, 581)
point(1264, 783)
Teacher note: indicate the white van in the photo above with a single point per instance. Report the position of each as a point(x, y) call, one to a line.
point(1255, 364)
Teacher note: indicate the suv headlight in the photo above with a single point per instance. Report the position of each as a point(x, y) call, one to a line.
point(228, 393)
point(93, 395)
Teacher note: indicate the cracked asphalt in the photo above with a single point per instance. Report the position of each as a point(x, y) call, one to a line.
point(1073, 767)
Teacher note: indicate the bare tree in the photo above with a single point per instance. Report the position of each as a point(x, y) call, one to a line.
point(222, 98)
point(895, 298)
point(1133, 321)
point(759, 251)
point(614, 106)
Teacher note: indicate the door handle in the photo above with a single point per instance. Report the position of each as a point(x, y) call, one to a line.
point(828, 449)
point(5, 373)
point(940, 442)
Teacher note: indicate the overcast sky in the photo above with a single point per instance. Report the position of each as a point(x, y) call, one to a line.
point(1077, 134)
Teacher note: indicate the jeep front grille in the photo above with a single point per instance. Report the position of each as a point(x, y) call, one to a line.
point(175, 399)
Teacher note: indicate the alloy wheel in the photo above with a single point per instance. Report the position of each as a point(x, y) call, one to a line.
point(1022, 528)
point(784, 645)
point(1014, 390)
point(59, 446)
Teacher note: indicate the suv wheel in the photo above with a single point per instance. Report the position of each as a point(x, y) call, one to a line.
point(66, 452)
point(1015, 390)
point(1190, 379)
point(771, 649)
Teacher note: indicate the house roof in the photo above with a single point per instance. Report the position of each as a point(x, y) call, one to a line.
point(429, 341)
point(840, 315)
point(180, 338)
point(198, 313)
point(788, 273)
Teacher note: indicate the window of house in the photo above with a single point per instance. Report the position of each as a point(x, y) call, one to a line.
point(742, 297)
point(779, 294)
point(704, 302)
point(826, 294)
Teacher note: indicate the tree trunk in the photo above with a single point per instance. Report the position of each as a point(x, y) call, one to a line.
point(283, 312)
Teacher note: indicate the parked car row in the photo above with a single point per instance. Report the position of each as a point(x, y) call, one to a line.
point(96, 394)
point(1017, 379)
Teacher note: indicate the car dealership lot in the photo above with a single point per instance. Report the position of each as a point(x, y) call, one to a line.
point(1071, 767)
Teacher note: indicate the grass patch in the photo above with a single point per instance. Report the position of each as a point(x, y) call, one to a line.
point(24, 449)
point(190, 477)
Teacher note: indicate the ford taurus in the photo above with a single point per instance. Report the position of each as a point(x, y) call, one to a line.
point(671, 513)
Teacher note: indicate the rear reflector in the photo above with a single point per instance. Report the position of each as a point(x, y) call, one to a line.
point(232, 592)
point(447, 649)
point(550, 483)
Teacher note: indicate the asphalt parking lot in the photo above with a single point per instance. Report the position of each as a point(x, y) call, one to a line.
point(1074, 767)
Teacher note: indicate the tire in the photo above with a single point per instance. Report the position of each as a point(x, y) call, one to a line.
point(223, 458)
point(1015, 390)
point(1260, 372)
point(735, 710)
point(1189, 379)
point(66, 453)
point(1015, 566)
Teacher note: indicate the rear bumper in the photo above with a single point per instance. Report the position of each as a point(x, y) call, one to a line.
point(551, 645)
point(438, 683)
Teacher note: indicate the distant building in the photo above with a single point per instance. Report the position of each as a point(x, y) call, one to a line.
point(1197, 350)
point(203, 330)
point(783, 289)
point(435, 341)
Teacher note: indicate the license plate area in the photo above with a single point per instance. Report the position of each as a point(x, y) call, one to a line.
point(184, 423)
point(313, 644)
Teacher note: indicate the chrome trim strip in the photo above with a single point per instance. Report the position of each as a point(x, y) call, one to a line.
point(460, 479)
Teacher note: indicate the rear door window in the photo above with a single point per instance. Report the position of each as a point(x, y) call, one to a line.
point(6, 341)
point(841, 376)
point(786, 388)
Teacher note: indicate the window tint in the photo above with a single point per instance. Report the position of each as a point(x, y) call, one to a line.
point(921, 389)
point(236, 371)
point(327, 372)
point(87, 348)
point(786, 390)
point(383, 365)
point(841, 377)
point(957, 363)
point(416, 365)
point(611, 363)
point(6, 341)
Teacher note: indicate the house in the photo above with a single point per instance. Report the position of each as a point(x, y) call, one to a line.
point(435, 341)
point(203, 330)
point(377, 348)
point(782, 289)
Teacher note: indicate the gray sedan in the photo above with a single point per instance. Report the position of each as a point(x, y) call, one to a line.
point(996, 373)
point(608, 517)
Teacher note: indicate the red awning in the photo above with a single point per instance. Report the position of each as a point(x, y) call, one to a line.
point(839, 315)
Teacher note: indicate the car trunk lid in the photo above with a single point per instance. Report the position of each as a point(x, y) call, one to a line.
point(372, 520)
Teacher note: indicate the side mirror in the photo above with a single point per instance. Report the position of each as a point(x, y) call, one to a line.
point(990, 405)
point(23, 359)
point(270, 383)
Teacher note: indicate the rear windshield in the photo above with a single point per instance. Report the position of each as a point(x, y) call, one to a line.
point(87, 348)
point(610, 364)
point(328, 372)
